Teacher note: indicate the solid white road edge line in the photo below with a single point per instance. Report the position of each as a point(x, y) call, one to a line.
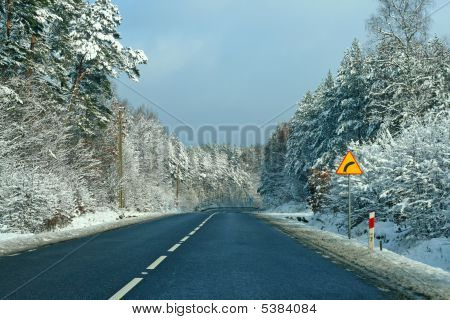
point(156, 263)
point(192, 233)
point(122, 292)
point(175, 247)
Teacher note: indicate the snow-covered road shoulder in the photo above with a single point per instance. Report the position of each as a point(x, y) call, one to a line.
point(83, 226)
point(399, 273)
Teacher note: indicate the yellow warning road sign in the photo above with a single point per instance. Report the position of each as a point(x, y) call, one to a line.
point(349, 166)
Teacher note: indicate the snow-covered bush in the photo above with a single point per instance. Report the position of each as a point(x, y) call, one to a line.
point(29, 200)
point(406, 178)
point(44, 171)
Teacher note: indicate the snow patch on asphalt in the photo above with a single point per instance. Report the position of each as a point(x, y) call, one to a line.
point(82, 226)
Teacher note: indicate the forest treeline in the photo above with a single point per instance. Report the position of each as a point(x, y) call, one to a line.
point(59, 127)
point(389, 104)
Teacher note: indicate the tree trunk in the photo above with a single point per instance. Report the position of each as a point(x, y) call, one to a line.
point(33, 42)
point(9, 14)
point(76, 85)
point(32, 46)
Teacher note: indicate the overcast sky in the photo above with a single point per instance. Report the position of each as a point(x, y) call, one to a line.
point(215, 62)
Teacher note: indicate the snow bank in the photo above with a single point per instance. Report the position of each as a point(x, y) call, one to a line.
point(435, 252)
point(82, 226)
point(291, 207)
point(413, 278)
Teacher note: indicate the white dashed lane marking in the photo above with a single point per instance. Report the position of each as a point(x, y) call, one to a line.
point(156, 263)
point(129, 286)
point(175, 247)
point(122, 292)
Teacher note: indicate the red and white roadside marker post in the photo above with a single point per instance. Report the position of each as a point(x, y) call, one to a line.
point(371, 230)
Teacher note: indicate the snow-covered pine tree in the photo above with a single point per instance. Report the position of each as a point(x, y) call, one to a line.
point(59, 39)
point(311, 130)
point(296, 154)
point(95, 55)
point(351, 92)
point(324, 126)
point(21, 46)
point(275, 186)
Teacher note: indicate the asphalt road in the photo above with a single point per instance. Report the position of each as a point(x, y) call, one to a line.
point(225, 255)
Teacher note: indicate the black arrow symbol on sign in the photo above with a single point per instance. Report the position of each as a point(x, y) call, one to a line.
point(348, 165)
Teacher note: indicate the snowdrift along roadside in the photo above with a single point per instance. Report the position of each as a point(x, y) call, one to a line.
point(400, 274)
point(83, 226)
point(434, 252)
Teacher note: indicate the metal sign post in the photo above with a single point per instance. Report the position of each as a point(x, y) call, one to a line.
point(349, 210)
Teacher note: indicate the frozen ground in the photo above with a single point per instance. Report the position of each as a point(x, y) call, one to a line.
point(83, 226)
point(396, 272)
point(435, 252)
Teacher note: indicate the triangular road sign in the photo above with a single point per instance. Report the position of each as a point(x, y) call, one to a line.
point(349, 166)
